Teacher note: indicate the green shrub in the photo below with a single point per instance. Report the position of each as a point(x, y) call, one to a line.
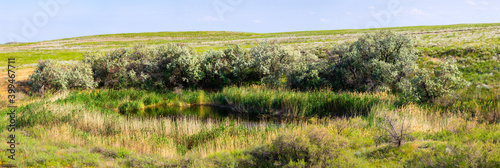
point(442, 81)
point(272, 61)
point(224, 68)
point(306, 75)
point(80, 76)
point(122, 68)
point(375, 62)
point(177, 65)
point(47, 76)
point(477, 155)
point(50, 75)
point(311, 149)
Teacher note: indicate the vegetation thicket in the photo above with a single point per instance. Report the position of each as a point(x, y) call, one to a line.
point(375, 62)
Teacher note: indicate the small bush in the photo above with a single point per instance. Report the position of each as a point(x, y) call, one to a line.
point(442, 81)
point(314, 148)
point(375, 62)
point(122, 68)
point(222, 68)
point(177, 65)
point(397, 129)
point(272, 61)
point(307, 75)
point(50, 75)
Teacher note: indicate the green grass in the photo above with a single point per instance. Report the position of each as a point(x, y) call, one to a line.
point(32, 57)
point(73, 48)
point(253, 100)
point(258, 100)
point(86, 128)
point(76, 129)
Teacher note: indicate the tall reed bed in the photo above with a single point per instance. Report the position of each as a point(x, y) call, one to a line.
point(261, 100)
point(169, 137)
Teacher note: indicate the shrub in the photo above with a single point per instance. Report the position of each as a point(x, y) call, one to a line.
point(50, 75)
point(442, 81)
point(272, 61)
point(313, 148)
point(375, 62)
point(306, 75)
point(151, 100)
point(47, 76)
point(224, 68)
point(454, 155)
point(397, 129)
point(122, 68)
point(80, 76)
point(177, 65)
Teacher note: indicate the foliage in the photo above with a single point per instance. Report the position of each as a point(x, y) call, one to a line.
point(375, 62)
point(121, 68)
point(442, 81)
point(307, 75)
point(313, 149)
point(50, 75)
point(286, 103)
point(222, 68)
point(177, 65)
point(272, 61)
point(80, 77)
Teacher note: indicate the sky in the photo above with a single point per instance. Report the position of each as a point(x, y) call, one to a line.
point(39, 20)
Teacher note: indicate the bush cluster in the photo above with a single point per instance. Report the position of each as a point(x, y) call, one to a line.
point(49, 75)
point(375, 62)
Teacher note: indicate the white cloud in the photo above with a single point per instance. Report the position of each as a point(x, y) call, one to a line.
point(371, 7)
point(484, 3)
point(211, 19)
point(415, 11)
point(256, 21)
point(313, 13)
point(324, 20)
point(419, 12)
point(470, 2)
point(348, 13)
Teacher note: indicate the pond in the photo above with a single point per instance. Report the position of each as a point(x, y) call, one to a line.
point(202, 111)
point(213, 112)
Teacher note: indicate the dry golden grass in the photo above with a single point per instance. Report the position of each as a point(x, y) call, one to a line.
point(22, 75)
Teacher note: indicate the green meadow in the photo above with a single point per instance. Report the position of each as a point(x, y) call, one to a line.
point(422, 96)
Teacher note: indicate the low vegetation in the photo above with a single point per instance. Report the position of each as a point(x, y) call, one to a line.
point(400, 98)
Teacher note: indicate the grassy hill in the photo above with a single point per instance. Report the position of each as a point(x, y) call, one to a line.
point(119, 127)
point(462, 35)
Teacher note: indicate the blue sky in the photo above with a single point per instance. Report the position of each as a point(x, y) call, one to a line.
point(38, 20)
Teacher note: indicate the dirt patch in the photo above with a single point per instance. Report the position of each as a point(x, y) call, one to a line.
point(22, 76)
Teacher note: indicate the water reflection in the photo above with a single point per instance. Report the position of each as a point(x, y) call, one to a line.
point(218, 113)
point(202, 111)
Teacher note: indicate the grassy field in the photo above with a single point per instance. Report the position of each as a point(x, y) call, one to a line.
point(322, 128)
